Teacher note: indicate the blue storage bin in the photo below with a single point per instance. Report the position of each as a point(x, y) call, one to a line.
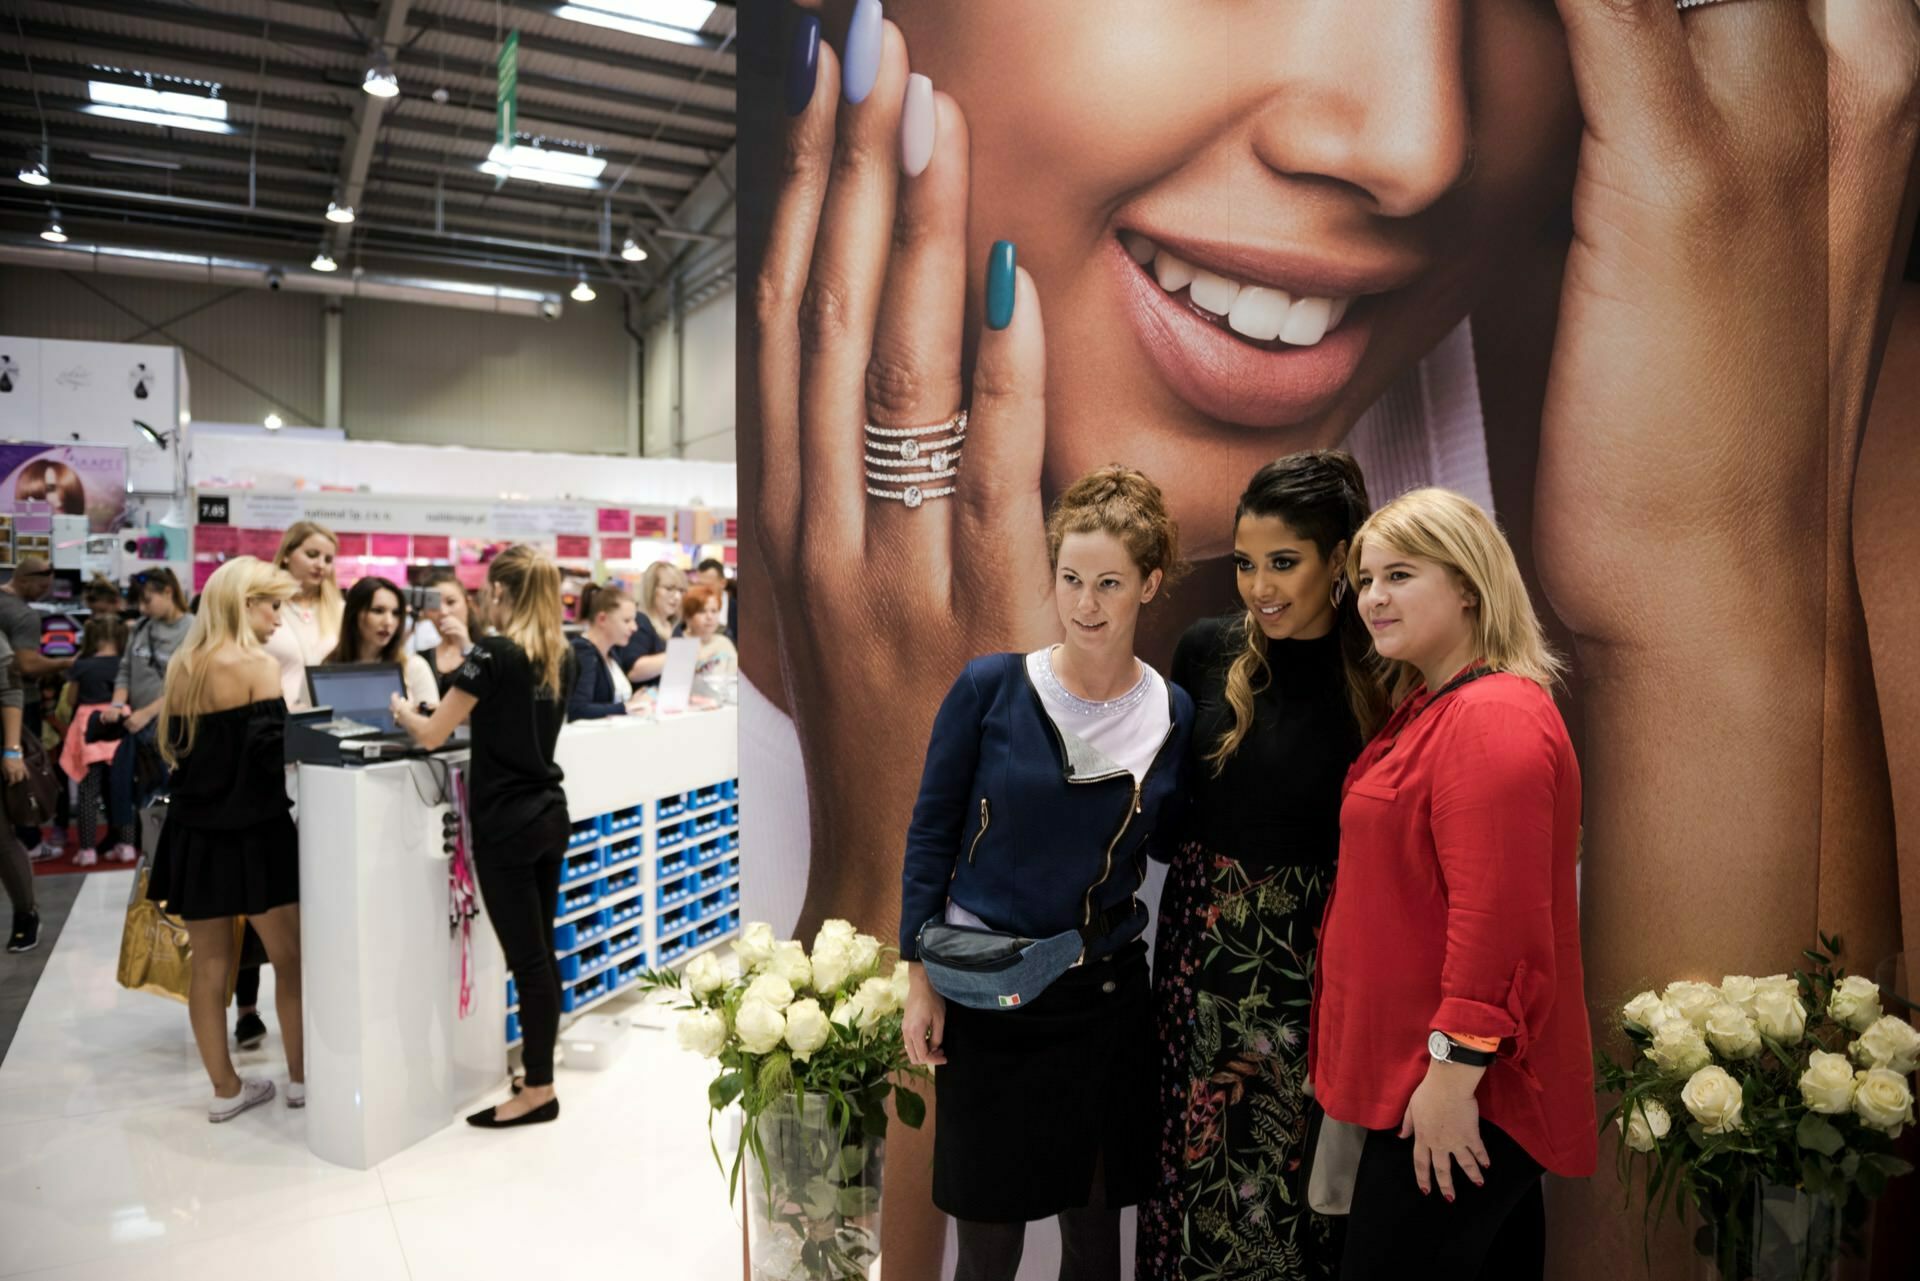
point(513, 1028)
point(627, 911)
point(585, 832)
point(622, 944)
point(513, 993)
point(580, 866)
point(625, 820)
point(621, 852)
point(575, 897)
point(669, 807)
point(731, 789)
point(572, 998)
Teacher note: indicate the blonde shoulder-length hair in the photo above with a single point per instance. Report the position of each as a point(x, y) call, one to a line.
point(528, 584)
point(650, 583)
point(1453, 531)
point(221, 622)
point(333, 605)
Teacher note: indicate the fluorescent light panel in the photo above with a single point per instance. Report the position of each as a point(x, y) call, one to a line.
point(537, 164)
point(678, 21)
point(165, 119)
point(157, 107)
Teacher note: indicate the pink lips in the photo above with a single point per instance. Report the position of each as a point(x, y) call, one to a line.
point(1229, 379)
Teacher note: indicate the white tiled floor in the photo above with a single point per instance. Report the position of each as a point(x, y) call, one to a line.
point(109, 1169)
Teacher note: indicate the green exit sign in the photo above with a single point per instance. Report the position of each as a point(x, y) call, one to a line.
point(507, 93)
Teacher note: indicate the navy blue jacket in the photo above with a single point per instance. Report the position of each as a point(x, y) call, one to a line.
point(593, 695)
point(1017, 821)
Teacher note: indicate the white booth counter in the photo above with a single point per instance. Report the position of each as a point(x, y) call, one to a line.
point(651, 877)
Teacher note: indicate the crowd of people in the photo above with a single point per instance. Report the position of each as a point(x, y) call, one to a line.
point(194, 697)
point(1367, 968)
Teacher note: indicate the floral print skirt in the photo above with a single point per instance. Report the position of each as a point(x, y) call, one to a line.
point(1233, 979)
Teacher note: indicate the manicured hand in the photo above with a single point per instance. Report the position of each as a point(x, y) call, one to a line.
point(1443, 1120)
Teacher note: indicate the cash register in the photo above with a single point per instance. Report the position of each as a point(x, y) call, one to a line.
point(350, 721)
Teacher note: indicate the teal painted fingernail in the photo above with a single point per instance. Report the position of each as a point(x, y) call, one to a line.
point(1000, 285)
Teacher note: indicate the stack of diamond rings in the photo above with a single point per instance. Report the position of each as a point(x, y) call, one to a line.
point(904, 456)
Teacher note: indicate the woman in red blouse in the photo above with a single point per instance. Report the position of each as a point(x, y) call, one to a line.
point(1449, 1019)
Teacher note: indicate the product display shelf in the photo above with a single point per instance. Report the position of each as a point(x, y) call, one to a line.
point(643, 887)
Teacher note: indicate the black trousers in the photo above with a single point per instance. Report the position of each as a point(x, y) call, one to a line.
point(1493, 1233)
point(520, 883)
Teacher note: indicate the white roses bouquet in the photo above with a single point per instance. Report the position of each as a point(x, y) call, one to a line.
point(809, 1046)
point(1789, 1084)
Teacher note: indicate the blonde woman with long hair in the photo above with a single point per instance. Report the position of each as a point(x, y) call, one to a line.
point(229, 846)
point(1450, 1020)
point(514, 685)
point(663, 588)
point(312, 618)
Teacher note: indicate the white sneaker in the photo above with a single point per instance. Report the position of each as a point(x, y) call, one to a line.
point(40, 853)
point(86, 858)
point(253, 1092)
point(296, 1094)
point(124, 853)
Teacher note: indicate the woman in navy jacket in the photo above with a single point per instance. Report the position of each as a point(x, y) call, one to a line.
point(1046, 777)
point(602, 689)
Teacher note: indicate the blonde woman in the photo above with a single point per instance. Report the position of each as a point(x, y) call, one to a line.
point(229, 846)
point(662, 588)
point(313, 616)
point(514, 685)
point(1450, 1020)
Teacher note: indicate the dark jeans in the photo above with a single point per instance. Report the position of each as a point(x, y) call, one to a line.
point(122, 803)
point(1495, 1233)
point(520, 883)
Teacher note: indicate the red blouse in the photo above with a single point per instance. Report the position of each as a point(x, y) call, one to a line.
point(1454, 908)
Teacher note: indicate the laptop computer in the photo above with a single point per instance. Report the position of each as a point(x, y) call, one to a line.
point(361, 693)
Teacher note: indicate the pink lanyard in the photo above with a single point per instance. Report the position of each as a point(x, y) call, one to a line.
point(463, 895)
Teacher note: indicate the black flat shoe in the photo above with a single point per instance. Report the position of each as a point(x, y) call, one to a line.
point(548, 1111)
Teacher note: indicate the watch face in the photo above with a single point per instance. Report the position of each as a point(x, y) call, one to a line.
point(1438, 1045)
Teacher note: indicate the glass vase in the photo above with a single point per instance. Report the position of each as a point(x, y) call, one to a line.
point(813, 1196)
point(1771, 1233)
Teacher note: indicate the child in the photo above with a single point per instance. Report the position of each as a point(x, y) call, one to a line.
point(90, 682)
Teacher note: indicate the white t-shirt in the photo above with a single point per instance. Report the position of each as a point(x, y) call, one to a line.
point(622, 687)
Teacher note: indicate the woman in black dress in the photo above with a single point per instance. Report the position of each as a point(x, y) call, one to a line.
point(1284, 695)
point(229, 846)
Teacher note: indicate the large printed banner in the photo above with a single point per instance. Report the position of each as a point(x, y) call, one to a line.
point(70, 480)
point(1192, 239)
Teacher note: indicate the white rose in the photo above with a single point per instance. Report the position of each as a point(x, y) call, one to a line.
point(1780, 1015)
point(1693, 1000)
point(1648, 1126)
point(1827, 1084)
point(755, 946)
point(876, 999)
point(847, 1013)
point(1679, 1047)
point(1740, 990)
point(866, 954)
point(1777, 983)
point(1731, 1033)
point(832, 962)
point(1881, 1099)
point(900, 984)
point(1855, 1003)
point(1713, 1097)
point(790, 963)
point(770, 990)
point(1643, 1010)
point(702, 1031)
point(759, 1025)
point(1888, 1042)
point(835, 929)
point(706, 975)
point(807, 1028)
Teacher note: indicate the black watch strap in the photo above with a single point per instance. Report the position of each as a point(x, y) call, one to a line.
point(1458, 1053)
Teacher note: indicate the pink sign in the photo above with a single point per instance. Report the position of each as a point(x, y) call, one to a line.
point(353, 545)
point(730, 555)
point(261, 543)
point(575, 546)
point(432, 547)
point(650, 527)
point(216, 540)
point(392, 546)
point(616, 548)
point(472, 577)
point(615, 520)
point(202, 571)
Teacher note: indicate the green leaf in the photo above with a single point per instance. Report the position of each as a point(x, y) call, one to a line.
point(1819, 1134)
point(1891, 1166)
point(858, 1202)
point(821, 1197)
point(911, 1108)
point(724, 1090)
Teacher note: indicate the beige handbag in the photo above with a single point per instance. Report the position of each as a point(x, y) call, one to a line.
point(1334, 1163)
point(155, 955)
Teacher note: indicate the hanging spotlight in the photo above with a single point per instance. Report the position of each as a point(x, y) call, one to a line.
point(583, 292)
point(337, 212)
point(275, 422)
point(380, 81)
point(35, 175)
point(632, 251)
point(54, 232)
point(322, 261)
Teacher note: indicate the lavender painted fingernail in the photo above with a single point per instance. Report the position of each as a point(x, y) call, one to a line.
point(860, 65)
point(916, 127)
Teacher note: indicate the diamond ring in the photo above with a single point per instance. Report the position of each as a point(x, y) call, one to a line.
point(955, 425)
point(912, 495)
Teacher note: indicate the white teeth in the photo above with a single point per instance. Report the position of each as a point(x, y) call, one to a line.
point(1172, 274)
point(1339, 312)
point(1139, 248)
point(1307, 322)
point(1213, 293)
point(1258, 313)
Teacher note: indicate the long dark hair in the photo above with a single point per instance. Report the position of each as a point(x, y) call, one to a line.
point(359, 601)
point(1322, 496)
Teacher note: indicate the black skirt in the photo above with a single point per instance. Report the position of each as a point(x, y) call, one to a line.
point(1030, 1100)
point(206, 873)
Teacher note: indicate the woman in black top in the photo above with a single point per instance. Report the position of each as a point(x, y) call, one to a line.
point(662, 588)
point(456, 622)
point(1283, 693)
point(229, 846)
point(514, 685)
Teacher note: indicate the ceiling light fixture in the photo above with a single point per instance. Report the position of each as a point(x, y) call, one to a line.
point(322, 261)
point(678, 21)
point(162, 107)
point(632, 251)
point(35, 175)
point(337, 212)
point(538, 164)
point(380, 81)
point(583, 292)
point(275, 422)
point(54, 232)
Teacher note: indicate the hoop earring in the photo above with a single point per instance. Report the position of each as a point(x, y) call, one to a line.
point(1339, 593)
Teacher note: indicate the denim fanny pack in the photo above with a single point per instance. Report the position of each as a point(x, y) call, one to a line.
point(993, 970)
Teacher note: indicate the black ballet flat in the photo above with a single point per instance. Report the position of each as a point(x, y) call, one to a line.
point(548, 1111)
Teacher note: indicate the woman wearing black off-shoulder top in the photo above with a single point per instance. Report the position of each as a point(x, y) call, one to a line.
point(1281, 693)
point(229, 846)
